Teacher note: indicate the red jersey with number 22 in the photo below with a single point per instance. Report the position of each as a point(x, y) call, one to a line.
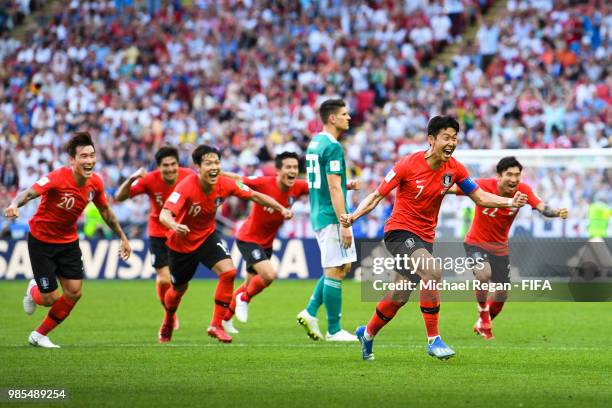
point(194, 208)
point(491, 226)
point(62, 203)
point(420, 191)
point(263, 222)
point(153, 185)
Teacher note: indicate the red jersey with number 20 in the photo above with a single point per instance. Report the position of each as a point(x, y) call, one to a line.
point(491, 226)
point(153, 185)
point(194, 208)
point(420, 191)
point(263, 222)
point(62, 203)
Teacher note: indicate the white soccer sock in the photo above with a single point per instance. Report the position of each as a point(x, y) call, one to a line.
point(367, 335)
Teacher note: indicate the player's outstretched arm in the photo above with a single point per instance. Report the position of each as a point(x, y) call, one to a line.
point(267, 201)
point(123, 192)
point(547, 211)
point(485, 199)
point(111, 220)
point(231, 175)
point(167, 218)
point(12, 211)
point(367, 205)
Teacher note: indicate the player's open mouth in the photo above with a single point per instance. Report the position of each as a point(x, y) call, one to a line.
point(290, 178)
point(87, 169)
point(448, 152)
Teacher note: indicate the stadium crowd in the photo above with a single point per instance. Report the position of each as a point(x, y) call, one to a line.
point(247, 76)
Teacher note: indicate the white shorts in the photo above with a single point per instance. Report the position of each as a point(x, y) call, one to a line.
point(332, 252)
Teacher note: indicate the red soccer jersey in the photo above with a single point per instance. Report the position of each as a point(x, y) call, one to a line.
point(263, 222)
point(62, 203)
point(420, 193)
point(490, 227)
point(153, 185)
point(196, 209)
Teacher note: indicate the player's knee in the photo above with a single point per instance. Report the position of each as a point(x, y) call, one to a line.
point(269, 277)
point(49, 299)
point(483, 275)
point(434, 274)
point(163, 276)
point(228, 275)
point(73, 295)
point(501, 295)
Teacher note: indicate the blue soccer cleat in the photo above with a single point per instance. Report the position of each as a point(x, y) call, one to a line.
point(438, 349)
point(366, 345)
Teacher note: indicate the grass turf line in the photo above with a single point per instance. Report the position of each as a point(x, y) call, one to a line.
point(545, 354)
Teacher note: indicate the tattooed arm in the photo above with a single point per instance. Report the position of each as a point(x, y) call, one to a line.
point(12, 211)
point(111, 220)
point(547, 211)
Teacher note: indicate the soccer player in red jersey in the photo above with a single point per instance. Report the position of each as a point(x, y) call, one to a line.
point(53, 243)
point(487, 238)
point(189, 213)
point(256, 236)
point(158, 185)
point(422, 179)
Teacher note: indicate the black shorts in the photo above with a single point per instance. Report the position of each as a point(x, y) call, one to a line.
point(184, 266)
point(159, 252)
point(500, 265)
point(401, 242)
point(253, 253)
point(51, 260)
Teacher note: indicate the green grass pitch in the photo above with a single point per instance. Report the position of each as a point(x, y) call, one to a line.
point(545, 354)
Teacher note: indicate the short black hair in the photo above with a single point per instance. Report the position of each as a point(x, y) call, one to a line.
point(203, 150)
point(439, 123)
point(79, 139)
point(329, 107)
point(507, 162)
point(278, 160)
point(166, 151)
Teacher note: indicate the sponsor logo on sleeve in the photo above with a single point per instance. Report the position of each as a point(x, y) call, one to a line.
point(43, 181)
point(334, 165)
point(390, 176)
point(242, 186)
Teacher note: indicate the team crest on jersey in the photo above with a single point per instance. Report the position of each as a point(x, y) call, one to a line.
point(256, 253)
point(291, 200)
point(447, 180)
point(218, 201)
point(90, 195)
point(410, 243)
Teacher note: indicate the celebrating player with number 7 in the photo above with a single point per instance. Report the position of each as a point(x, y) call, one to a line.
point(422, 179)
point(189, 213)
point(53, 243)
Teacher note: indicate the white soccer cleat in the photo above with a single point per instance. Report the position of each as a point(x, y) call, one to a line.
point(310, 324)
point(29, 306)
point(228, 326)
point(242, 309)
point(38, 340)
point(342, 335)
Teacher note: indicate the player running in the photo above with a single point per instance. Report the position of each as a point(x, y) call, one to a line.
point(256, 236)
point(158, 185)
point(189, 213)
point(53, 243)
point(327, 183)
point(487, 238)
point(422, 178)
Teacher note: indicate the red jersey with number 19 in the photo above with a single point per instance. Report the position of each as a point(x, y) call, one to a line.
point(153, 185)
point(263, 222)
point(196, 209)
point(420, 191)
point(491, 226)
point(62, 203)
